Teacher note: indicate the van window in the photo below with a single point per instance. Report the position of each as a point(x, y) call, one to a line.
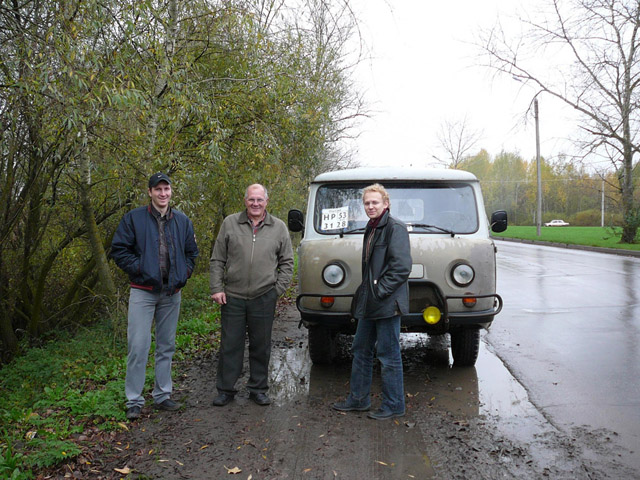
point(448, 206)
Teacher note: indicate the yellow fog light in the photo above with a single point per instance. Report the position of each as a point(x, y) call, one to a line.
point(431, 315)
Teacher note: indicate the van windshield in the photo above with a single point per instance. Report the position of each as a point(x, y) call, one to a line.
point(425, 208)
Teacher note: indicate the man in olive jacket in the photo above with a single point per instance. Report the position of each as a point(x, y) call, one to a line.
point(378, 304)
point(251, 266)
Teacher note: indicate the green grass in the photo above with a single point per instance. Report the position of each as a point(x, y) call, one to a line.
point(53, 394)
point(591, 236)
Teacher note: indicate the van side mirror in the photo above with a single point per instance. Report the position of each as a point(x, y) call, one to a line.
point(295, 221)
point(499, 221)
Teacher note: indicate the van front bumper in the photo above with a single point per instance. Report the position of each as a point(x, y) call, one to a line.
point(336, 319)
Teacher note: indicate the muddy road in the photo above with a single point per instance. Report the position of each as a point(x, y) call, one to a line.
point(461, 423)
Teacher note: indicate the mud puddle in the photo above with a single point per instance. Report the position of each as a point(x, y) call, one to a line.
point(461, 423)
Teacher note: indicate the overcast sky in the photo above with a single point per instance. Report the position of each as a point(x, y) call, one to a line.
point(424, 70)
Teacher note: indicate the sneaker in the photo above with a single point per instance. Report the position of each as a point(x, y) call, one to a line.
point(348, 407)
point(168, 405)
point(260, 398)
point(222, 399)
point(384, 414)
point(134, 413)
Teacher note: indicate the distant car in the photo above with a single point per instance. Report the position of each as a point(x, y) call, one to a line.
point(556, 223)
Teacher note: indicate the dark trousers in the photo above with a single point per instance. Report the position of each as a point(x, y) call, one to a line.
point(239, 318)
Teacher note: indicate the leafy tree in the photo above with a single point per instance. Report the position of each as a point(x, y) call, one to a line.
point(97, 95)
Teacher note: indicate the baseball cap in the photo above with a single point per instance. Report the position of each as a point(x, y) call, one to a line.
point(156, 178)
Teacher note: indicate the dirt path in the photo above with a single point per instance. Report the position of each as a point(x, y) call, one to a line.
point(443, 435)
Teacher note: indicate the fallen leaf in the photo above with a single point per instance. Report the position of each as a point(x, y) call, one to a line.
point(123, 426)
point(382, 463)
point(123, 471)
point(163, 460)
point(306, 470)
point(30, 435)
point(203, 447)
point(150, 451)
point(232, 471)
point(180, 463)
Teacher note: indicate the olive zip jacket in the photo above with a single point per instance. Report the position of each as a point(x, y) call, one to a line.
point(384, 291)
point(246, 265)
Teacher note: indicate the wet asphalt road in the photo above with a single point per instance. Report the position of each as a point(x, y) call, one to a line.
point(570, 334)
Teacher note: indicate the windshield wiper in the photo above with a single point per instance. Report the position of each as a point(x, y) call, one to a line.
point(355, 230)
point(424, 225)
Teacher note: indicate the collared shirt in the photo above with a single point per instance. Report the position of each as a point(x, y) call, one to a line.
point(163, 250)
point(256, 226)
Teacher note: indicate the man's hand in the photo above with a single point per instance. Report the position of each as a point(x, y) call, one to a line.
point(220, 298)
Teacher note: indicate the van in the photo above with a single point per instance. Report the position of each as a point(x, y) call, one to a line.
point(452, 285)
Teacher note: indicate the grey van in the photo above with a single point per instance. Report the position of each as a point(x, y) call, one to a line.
point(452, 285)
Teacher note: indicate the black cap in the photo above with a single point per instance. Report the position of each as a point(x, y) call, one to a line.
point(156, 178)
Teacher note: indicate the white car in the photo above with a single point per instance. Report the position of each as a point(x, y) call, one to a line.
point(556, 223)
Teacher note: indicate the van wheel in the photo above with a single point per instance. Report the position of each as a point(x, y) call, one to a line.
point(322, 345)
point(465, 344)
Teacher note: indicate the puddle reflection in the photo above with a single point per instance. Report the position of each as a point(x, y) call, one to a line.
point(430, 379)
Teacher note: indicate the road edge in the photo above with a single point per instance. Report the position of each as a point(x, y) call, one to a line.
point(588, 248)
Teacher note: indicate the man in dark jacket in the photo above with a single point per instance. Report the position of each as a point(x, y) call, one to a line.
point(378, 305)
point(156, 246)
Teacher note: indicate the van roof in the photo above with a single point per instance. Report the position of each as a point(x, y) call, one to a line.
point(380, 174)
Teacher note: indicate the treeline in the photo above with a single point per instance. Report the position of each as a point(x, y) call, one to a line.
point(97, 95)
point(569, 192)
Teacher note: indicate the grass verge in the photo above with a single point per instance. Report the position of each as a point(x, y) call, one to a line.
point(607, 237)
point(57, 399)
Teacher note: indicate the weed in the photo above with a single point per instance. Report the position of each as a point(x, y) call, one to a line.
point(77, 382)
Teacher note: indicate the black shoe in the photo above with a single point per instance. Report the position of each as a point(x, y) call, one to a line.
point(347, 407)
point(222, 399)
point(384, 414)
point(168, 405)
point(260, 398)
point(133, 413)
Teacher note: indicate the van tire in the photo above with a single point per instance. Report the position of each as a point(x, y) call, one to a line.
point(322, 345)
point(465, 345)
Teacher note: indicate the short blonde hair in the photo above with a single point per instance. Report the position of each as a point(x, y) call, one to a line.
point(376, 187)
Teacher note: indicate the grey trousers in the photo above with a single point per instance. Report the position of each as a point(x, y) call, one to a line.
point(143, 308)
point(239, 318)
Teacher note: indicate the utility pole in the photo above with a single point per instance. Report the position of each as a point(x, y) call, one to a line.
point(602, 209)
point(539, 195)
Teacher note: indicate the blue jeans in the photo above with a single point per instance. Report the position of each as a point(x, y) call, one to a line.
point(143, 308)
point(383, 336)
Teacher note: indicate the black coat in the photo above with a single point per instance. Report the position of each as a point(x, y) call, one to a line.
point(384, 291)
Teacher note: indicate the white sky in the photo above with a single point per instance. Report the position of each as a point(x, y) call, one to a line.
point(424, 69)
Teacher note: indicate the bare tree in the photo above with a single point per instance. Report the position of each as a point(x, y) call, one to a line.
point(457, 138)
point(586, 54)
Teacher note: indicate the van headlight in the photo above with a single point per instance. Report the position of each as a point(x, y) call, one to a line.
point(462, 274)
point(333, 274)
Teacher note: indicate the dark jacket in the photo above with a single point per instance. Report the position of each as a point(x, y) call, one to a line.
point(135, 249)
point(384, 291)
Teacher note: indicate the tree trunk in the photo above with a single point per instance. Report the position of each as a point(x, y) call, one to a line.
point(89, 218)
point(8, 337)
